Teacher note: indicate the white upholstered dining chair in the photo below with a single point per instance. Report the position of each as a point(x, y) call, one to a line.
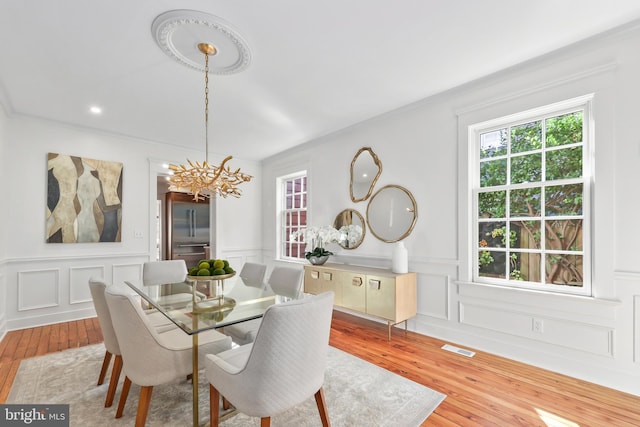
point(252, 274)
point(284, 281)
point(161, 324)
point(97, 287)
point(174, 272)
point(282, 368)
point(150, 358)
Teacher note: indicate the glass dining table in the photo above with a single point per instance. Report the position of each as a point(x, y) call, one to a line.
point(210, 303)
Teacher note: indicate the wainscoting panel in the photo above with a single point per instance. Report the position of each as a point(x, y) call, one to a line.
point(433, 295)
point(236, 262)
point(38, 289)
point(636, 329)
point(46, 290)
point(3, 302)
point(79, 282)
point(126, 272)
point(596, 339)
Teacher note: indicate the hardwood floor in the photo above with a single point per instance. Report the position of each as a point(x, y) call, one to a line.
point(484, 390)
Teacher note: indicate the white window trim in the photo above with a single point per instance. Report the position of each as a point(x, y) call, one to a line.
point(586, 104)
point(280, 180)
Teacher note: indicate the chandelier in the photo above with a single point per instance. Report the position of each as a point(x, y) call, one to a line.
point(204, 180)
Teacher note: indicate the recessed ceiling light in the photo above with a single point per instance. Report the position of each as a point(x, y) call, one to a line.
point(95, 110)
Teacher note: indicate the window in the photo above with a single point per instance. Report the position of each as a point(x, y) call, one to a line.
point(293, 208)
point(531, 199)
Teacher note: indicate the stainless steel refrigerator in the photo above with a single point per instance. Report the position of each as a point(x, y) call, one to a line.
point(187, 228)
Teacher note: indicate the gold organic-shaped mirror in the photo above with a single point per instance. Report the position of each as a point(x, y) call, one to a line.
point(350, 224)
point(365, 171)
point(392, 213)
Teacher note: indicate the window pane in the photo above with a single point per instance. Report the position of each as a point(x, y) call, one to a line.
point(525, 202)
point(526, 137)
point(492, 204)
point(563, 200)
point(525, 266)
point(564, 235)
point(493, 172)
point(297, 250)
point(293, 216)
point(526, 234)
point(492, 264)
point(493, 144)
point(529, 191)
point(527, 168)
point(492, 234)
point(564, 270)
point(566, 129)
point(565, 163)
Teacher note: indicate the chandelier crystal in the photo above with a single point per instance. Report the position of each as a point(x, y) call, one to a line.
point(203, 180)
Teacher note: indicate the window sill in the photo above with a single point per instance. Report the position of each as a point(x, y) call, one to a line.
point(533, 297)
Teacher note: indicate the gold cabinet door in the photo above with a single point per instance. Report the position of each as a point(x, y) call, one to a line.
point(381, 297)
point(353, 291)
point(312, 281)
point(318, 280)
point(330, 281)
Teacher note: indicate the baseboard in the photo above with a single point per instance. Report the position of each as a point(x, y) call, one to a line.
point(50, 319)
point(3, 327)
point(595, 371)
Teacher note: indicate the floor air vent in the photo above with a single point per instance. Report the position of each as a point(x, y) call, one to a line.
point(458, 350)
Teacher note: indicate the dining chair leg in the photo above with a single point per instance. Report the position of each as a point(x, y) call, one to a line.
point(105, 366)
point(214, 406)
point(113, 382)
point(143, 405)
point(225, 403)
point(123, 396)
point(265, 422)
point(322, 408)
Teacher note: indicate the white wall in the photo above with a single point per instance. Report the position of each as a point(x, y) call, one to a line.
point(3, 234)
point(424, 148)
point(47, 283)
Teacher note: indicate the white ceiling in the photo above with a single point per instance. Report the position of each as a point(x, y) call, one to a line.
point(316, 66)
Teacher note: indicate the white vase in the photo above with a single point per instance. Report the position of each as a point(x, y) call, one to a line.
point(400, 259)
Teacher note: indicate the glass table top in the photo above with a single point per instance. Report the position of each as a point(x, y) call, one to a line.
point(196, 305)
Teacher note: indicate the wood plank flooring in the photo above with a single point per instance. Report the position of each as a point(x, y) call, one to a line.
point(485, 390)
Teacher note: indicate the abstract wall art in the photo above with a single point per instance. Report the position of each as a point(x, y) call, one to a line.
point(84, 200)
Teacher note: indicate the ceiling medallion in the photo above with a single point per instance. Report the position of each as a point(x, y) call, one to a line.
point(178, 33)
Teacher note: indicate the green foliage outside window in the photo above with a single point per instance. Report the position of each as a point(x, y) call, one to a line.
point(530, 179)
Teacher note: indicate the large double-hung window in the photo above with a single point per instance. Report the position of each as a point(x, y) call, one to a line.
point(293, 214)
point(531, 189)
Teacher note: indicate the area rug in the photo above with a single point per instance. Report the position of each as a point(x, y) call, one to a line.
point(357, 393)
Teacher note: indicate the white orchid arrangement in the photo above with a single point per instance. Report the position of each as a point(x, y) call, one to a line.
point(350, 235)
point(317, 237)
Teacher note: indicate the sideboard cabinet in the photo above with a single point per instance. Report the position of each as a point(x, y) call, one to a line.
point(373, 291)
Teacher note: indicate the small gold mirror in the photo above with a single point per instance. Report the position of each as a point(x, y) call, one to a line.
point(350, 224)
point(365, 171)
point(392, 213)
